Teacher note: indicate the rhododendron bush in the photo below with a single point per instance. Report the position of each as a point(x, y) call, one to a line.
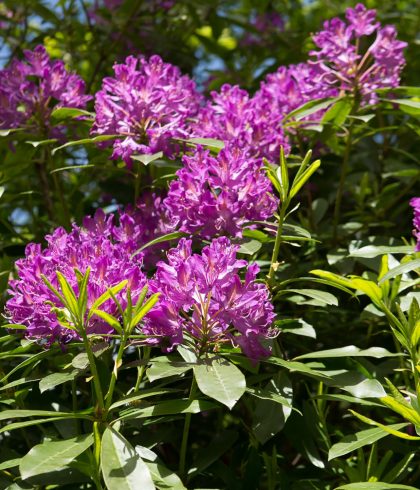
point(210, 245)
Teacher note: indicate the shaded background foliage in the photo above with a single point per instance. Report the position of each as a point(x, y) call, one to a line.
point(235, 42)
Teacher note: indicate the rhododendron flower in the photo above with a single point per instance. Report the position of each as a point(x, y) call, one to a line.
point(205, 301)
point(232, 116)
point(32, 88)
point(147, 103)
point(415, 204)
point(340, 62)
point(105, 248)
point(218, 195)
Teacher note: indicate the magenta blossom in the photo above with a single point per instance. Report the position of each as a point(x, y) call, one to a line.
point(215, 196)
point(147, 103)
point(100, 245)
point(415, 204)
point(234, 117)
point(204, 301)
point(340, 62)
point(31, 89)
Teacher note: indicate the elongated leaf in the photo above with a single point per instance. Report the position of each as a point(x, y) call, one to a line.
point(322, 296)
point(250, 248)
point(310, 108)
point(356, 384)
point(122, 467)
point(166, 368)
point(169, 408)
point(297, 327)
point(401, 269)
point(221, 380)
point(11, 463)
point(338, 112)
point(55, 379)
point(131, 399)
point(349, 351)
point(371, 251)
point(146, 159)
point(107, 296)
point(355, 441)
point(385, 428)
point(375, 486)
point(53, 455)
point(18, 414)
point(164, 238)
point(88, 141)
point(150, 303)
point(27, 423)
point(63, 113)
point(298, 367)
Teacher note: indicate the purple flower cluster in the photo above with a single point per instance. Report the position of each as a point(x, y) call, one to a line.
point(340, 62)
point(218, 195)
point(415, 204)
point(233, 116)
point(104, 247)
point(147, 103)
point(31, 89)
point(203, 299)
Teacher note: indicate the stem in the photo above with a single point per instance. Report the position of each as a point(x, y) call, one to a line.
point(276, 249)
point(142, 368)
point(58, 188)
point(96, 380)
point(343, 175)
point(97, 437)
point(185, 432)
point(117, 363)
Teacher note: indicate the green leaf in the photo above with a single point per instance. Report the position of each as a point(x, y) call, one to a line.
point(298, 367)
point(269, 418)
point(163, 367)
point(356, 384)
point(87, 141)
point(371, 251)
point(401, 269)
point(322, 296)
point(35, 144)
point(130, 399)
point(250, 248)
point(11, 463)
point(355, 441)
point(122, 467)
point(337, 113)
point(168, 408)
point(385, 428)
point(28, 423)
point(300, 181)
point(110, 320)
point(220, 379)
point(17, 414)
point(297, 327)
point(208, 142)
point(374, 486)
point(107, 295)
point(150, 303)
point(53, 455)
point(349, 351)
point(63, 113)
point(309, 108)
point(162, 477)
point(55, 379)
point(164, 238)
point(146, 159)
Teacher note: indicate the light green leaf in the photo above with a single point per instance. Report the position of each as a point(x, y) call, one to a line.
point(146, 159)
point(349, 351)
point(401, 269)
point(354, 441)
point(53, 455)
point(297, 327)
point(309, 108)
point(55, 379)
point(356, 384)
point(371, 251)
point(163, 367)
point(63, 113)
point(385, 428)
point(374, 486)
point(18, 414)
point(337, 113)
point(11, 463)
point(106, 296)
point(161, 239)
point(250, 248)
point(322, 296)
point(298, 367)
point(87, 141)
point(209, 142)
point(221, 380)
point(122, 467)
